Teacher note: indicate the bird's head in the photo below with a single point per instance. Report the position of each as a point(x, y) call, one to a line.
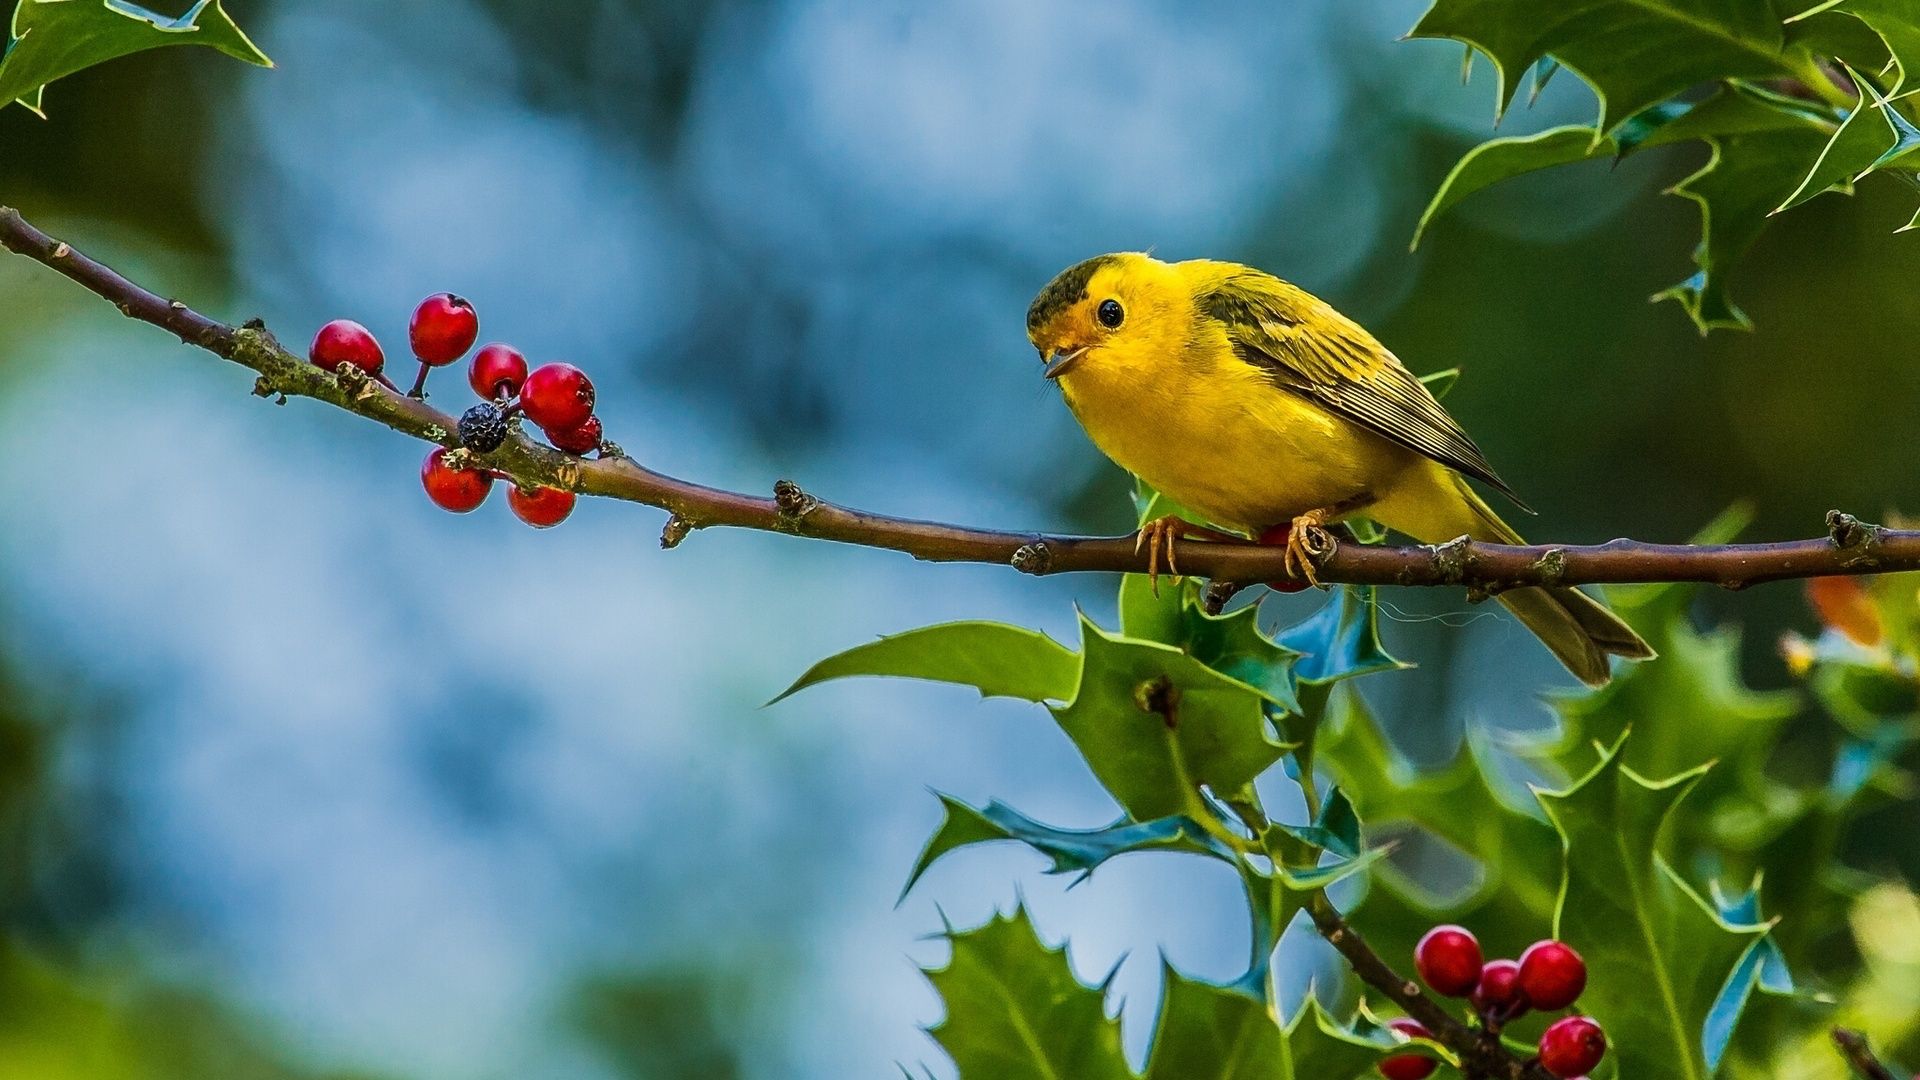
point(1103, 306)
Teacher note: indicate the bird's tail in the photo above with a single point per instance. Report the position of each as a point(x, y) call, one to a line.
point(1577, 628)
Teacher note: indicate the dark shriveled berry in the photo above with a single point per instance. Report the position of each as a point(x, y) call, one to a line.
point(1552, 974)
point(458, 490)
point(582, 440)
point(1448, 959)
point(543, 507)
point(1571, 1046)
point(483, 428)
point(1408, 1066)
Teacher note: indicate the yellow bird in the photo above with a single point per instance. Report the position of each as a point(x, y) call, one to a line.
point(1256, 404)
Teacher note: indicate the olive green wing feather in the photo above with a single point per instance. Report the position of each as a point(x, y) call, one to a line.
point(1308, 348)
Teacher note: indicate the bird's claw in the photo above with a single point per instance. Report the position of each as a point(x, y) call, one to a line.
point(1308, 545)
point(1159, 535)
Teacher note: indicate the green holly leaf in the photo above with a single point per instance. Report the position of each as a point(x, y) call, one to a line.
point(1744, 179)
point(1872, 135)
point(1275, 896)
point(1336, 828)
point(1231, 644)
point(1658, 954)
point(1511, 897)
point(1502, 159)
point(1687, 707)
point(1761, 146)
point(1340, 641)
point(1071, 850)
point(1209, 1032)
point(1895, 21)
point(51, 39)
point(1154, 724)
point(1015, 1011)
point(993, 658)
point(1634, 53)
point(1762, 968)
point(1322, 1048)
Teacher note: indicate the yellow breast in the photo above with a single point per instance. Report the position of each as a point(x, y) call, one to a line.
point(1217, 435)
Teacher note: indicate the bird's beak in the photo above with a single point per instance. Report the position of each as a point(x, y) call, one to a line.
point(1059, 363)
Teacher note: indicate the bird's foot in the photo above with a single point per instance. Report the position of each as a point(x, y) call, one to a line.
point(1159, 535)
point(1308, 545)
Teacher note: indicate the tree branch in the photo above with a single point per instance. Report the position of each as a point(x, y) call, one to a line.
point(1850, 546)
point(1853, 1046)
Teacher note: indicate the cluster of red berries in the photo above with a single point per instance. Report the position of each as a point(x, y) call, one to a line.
point(557, 397)
point(1548, 976)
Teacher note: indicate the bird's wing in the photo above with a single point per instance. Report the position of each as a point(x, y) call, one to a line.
point(1310, 349)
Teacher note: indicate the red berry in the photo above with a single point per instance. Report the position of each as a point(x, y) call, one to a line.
point(1408, 1066)
point(558, 397)
point(1499, 995)
point(543, 508)
point(497, 371)
point(1552, 975)
point(1571, 1046)
point(1448, 959)
point(459, 490)
point(584, 439)
point(344, 341)
point(1277, 537)
point(443, 329)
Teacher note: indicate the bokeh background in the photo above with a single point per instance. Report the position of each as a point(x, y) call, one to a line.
point(300, 776)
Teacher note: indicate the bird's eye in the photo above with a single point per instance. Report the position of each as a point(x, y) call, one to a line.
point(1109, 313)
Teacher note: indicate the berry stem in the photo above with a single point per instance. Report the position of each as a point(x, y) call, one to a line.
point(419, 391)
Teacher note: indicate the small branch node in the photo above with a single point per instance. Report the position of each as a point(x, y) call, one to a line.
point(676, 530)
point(1034, 557)
point(1410, 988)
point(568, 474)
point(1477, 594)
point(61, 250)
point(1552, 567)
point(1214, 600)
point(610, 449)
point(255, 323)
point(793, 502)
point(263, 387)
point(460, 457)
point(1450, 559)
point(1848, 532)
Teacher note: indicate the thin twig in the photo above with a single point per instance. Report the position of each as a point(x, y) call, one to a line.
point(1853, 1046)
point(1850, 547)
